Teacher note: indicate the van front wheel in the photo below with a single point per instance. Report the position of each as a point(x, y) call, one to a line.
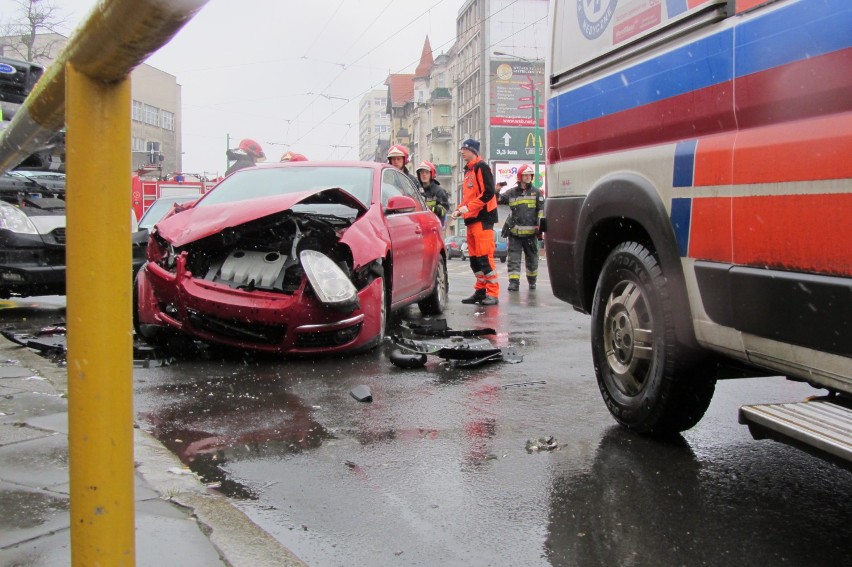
point(644, 374)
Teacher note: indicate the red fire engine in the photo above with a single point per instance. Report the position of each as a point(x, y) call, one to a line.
point(146, 190)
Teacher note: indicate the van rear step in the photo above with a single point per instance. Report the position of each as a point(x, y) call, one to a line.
point(821, 426)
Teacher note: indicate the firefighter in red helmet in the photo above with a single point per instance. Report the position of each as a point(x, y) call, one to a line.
point(522, 227)
point(293, 156)
point(398, 157)
point(436, 197)
point(247, 154)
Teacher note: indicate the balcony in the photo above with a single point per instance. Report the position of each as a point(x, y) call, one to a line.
point(441, 93)
point(441, 133)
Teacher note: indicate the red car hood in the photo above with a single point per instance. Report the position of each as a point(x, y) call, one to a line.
point(197, 223)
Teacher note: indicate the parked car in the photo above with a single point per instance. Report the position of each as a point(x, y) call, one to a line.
point(161, 207)
point(32, 234)
point(501, 250)
point(294, 258)
point(453, 246)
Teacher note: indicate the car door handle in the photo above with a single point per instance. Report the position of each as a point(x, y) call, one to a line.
point(418, 230)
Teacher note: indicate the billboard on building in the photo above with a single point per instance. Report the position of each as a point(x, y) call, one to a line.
point(517, 34)
point(508, 171)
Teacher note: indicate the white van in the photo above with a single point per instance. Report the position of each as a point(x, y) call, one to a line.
point(700, 203)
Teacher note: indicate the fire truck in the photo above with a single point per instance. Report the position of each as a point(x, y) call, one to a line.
point(699, 205)
point(147, 188)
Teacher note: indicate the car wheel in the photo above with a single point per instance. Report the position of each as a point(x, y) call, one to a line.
point(642, 371)
point(437, 301)
point(502, 259)
point(155, 335)
point(385, 311)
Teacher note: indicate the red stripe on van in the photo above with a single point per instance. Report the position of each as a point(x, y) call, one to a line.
point(803, 150)
point(806, 233)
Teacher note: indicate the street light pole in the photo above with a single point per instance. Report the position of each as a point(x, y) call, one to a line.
point(536, 131)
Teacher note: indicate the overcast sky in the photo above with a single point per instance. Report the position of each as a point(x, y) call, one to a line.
point(246, 68)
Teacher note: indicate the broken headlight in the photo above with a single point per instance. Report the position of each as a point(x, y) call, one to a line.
point(328, 281)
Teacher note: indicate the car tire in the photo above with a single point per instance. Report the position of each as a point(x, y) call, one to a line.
point(437, 301)
point(154, 335)
point(647, 379)
point(502, 259)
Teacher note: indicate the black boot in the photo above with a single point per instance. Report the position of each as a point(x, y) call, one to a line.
point(489, 300)
point(514, 285)
point(532, 283)
point(477, 296)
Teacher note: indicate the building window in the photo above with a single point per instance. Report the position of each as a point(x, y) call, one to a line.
point(137, 144)
point(136, 111)
point(168, 120)
point(152, 115)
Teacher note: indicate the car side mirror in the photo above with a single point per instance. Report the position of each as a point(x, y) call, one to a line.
point(401, 204)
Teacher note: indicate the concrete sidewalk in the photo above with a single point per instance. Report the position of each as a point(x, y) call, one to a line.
point(178, 521)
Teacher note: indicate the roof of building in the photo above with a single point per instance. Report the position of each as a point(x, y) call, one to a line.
point(426, 61)
point(400, 89)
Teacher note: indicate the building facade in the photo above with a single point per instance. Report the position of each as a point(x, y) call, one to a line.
point(374, 124)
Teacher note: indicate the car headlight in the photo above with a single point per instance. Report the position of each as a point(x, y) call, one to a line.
point(13, 219)
point(329, 282)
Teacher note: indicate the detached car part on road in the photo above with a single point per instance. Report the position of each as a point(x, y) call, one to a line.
point(294, 258)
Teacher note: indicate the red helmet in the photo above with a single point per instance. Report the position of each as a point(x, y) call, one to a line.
point(398, 150)
point(428, 166)
point(525, 169)
point(292, 156)
point(252, 148)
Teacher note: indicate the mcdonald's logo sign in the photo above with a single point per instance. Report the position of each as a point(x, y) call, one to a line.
point(531, 141)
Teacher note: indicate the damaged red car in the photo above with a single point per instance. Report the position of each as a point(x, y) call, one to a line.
point(294, 258)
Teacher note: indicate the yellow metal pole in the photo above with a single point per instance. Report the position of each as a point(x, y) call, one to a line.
point(100, 343)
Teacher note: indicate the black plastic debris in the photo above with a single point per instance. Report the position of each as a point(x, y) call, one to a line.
point(407, 359)
point(460, 349)
point(542, 444)
point(438, 328)
point(362, 393)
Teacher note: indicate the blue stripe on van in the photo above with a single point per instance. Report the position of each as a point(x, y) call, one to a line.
point(681, 212)
point(701, 64)
point(684, 163)
point(774, 38)
point(792, 33)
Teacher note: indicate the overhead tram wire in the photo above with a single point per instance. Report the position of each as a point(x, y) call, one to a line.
point(486, 49)
point(383, 42)
point(449, 42)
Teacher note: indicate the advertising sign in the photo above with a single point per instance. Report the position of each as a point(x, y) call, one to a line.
point(515, 85)
point(516, 143)
point(508, 171)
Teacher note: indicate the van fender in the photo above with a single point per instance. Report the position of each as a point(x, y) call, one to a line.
point(636, 208)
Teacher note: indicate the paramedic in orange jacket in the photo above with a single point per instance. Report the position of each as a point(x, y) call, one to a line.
point(479, 211)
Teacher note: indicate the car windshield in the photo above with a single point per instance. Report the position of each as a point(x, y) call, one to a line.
point(159, 208)
point(266, 182)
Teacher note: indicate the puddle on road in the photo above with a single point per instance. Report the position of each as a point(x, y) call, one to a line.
point(215, 421)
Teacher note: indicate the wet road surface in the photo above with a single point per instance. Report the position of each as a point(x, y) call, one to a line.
point(435, 470)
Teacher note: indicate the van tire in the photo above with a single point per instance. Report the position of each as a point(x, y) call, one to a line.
point(649, 382)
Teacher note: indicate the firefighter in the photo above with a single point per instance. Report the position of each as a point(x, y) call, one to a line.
point(293, 156)
point(522, 227)
point(479, 211)
point(398, 157)
point(247, 154)
point(437, 199)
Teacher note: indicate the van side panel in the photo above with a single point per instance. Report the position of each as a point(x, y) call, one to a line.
point(743, 127)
